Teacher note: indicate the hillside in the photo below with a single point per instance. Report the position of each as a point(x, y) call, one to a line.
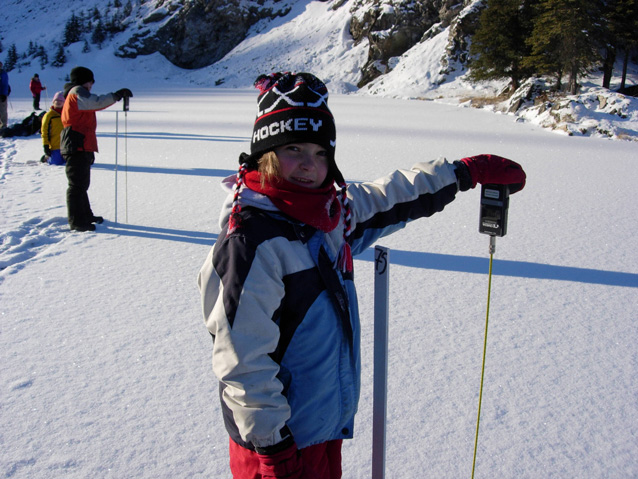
point(304, 36)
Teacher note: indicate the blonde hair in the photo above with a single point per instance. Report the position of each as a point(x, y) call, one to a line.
point(268, 167)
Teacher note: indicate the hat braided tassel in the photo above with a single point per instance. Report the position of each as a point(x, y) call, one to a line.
point(235, 219)
point(344, 260)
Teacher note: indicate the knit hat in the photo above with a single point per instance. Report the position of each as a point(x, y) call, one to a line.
point(81, 75)
point(292, 108)
point(59, 96)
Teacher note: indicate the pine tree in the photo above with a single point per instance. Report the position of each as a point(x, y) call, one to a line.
point(72, 31)
point(12, 58)
point(623, 24)
point(44, 58)
point(60, 57)
point(498, 46)
point(99, 35)
point(563, 41)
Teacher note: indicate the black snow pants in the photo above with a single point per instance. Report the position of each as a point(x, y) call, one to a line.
point(78, 172)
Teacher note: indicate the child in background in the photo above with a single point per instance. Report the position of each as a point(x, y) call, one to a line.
point(277, 288)
point(51, 129)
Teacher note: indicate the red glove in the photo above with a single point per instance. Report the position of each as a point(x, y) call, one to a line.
point(495, 169)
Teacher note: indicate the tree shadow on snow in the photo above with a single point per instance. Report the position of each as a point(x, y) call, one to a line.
point(166, 171)
point(161, 135)
point(167, 234)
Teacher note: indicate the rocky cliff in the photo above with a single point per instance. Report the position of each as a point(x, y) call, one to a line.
point(197, 33)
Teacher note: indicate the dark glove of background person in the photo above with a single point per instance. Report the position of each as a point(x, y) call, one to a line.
point(486, 169)
point(3, 97)
point(47, 150)
point(123, 92)
point(284, 464)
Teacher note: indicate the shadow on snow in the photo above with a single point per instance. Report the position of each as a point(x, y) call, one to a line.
point(416, 259)
point(517, 269)
point(166, 171)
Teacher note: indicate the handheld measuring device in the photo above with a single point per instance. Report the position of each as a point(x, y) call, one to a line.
point(494, 205)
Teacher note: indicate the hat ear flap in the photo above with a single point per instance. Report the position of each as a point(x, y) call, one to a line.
point(250, 161)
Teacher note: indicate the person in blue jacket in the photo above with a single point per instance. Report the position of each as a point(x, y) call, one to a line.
point(5, 91)
point(277, 287)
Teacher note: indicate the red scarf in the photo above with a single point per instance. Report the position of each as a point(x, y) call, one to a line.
point(318, 207)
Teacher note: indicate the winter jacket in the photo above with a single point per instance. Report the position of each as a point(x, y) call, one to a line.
point(79, 114)
point(5, 89)
point(285, 320)
point(35, 86)
point(51, 129)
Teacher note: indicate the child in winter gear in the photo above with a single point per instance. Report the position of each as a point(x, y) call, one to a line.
point(277, 288)
point(78, 143)
point(51, 129)
point(36, 89)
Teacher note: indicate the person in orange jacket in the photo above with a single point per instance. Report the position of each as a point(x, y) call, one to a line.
point(78, 143)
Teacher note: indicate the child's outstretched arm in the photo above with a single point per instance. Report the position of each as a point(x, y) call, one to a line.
point(386, 205)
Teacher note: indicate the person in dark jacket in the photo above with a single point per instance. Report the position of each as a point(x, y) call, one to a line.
point(277, 288)
point(78, 143)
point(36, 87)
point(5, 91)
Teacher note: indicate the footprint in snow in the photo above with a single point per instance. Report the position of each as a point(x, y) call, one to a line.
point(32, 239)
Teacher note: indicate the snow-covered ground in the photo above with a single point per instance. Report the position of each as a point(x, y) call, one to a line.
point(105, 358)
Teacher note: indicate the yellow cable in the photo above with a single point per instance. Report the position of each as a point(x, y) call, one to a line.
point(487, 316)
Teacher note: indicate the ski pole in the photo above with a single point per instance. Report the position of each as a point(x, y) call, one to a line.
point(493, 221)
point(125, 107)
point(380, 389)
point(116, 135)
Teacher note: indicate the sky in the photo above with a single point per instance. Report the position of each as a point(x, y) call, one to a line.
point(106, 360)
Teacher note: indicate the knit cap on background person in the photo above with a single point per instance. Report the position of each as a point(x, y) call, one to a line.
point(81, 75)
point(59, 96)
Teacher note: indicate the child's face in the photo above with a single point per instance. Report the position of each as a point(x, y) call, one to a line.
point(57, 104)
point(304, 164)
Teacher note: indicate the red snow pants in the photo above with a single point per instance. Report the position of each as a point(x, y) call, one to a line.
point(324, 459)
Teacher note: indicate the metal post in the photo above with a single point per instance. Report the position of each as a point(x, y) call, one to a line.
point(125, 108)
point(381, 313)
point(116, 134)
